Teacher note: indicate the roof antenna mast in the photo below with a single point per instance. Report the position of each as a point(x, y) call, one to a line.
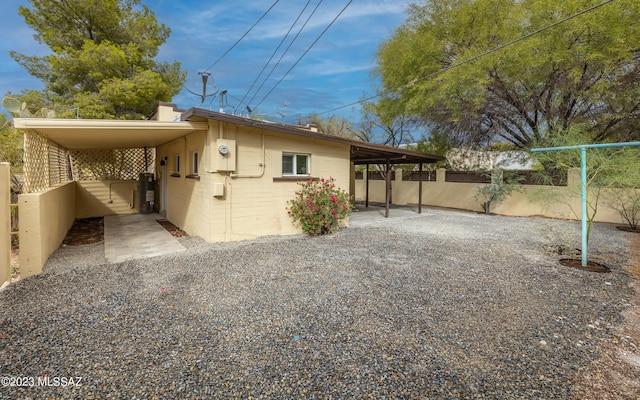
point(206, 84)
point(222, 94)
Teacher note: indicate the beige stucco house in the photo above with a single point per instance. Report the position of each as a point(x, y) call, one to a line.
point(218, 176)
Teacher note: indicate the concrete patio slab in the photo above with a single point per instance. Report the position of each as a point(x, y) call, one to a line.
point(363, 216)
point(134, 236)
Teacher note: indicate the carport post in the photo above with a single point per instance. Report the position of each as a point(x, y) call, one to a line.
point(366, 198)
point(388, 190)
point(420, 190)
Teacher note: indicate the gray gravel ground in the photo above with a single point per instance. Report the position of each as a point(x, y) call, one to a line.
point(448, 305)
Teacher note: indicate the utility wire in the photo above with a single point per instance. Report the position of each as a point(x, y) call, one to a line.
point(273, 55)
point(286, 50)
point(305, 52)
point(468, 60)
point(243, 36)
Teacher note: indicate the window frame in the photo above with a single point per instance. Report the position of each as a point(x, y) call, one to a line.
point(176, 166)
point(195, 160)
point(294, 166)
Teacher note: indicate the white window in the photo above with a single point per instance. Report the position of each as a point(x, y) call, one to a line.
point(194, 163)
point(295, 164)
point(177, 165)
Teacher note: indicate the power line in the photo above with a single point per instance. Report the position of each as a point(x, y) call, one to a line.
point(286, 51)
point(243, 36)
point(273, 55)
point(306, 51)
point(468, 60)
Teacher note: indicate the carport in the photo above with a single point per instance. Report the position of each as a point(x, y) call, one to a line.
point(79, 169)
point(368, 153)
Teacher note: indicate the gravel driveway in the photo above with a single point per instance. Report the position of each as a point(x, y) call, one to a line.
point(444, 305)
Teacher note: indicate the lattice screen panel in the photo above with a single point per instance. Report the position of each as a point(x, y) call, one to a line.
point(111, 164)
point(59, 168)
point(36, 162)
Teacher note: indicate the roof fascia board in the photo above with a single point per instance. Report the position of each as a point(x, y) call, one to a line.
point(70, 124)
point(273, 126)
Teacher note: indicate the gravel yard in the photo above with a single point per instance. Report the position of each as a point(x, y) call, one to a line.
point(444, 305)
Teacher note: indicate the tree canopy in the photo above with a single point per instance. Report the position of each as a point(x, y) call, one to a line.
point(334, 125)
point(11, 145)
point(102, 65)
point(439, 66)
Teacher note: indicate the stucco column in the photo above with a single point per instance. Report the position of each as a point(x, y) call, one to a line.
point(441, 175)
point(5, 223)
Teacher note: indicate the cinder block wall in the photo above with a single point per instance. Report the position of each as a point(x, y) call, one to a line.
point(5, 223)
point(106, 197)
point(463, 196)
point(45, 218)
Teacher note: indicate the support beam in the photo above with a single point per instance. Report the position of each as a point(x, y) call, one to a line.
point(366, 201)
point(420, 190)
point(388, 189)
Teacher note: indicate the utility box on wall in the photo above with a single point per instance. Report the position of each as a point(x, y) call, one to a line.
point(218, 189)
point(225, 155)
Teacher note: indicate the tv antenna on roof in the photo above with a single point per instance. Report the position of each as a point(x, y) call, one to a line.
point(209, 87)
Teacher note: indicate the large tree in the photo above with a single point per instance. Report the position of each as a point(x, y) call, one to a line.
point(386, 122)
point(583, 71)
point(102, 65)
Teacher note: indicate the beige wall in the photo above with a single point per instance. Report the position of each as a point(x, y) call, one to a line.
point(100, 198)
point(5, 223)
point(463, 196)
point(45, 218)
point(253, 204)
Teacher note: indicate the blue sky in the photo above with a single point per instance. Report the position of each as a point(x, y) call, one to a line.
point(336, 71)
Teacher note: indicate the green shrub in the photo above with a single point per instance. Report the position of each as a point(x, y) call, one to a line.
point(319, 206)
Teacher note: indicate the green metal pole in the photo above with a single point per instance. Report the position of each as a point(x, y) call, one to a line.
point(583, 180)
point(583, 191)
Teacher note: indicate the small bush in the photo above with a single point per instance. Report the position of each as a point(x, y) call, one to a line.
point(319, 206)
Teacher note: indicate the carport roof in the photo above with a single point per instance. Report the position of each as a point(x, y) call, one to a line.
point(75, 134)
point(361, 152)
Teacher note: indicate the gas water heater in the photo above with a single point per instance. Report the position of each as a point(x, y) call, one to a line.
point(146, 193)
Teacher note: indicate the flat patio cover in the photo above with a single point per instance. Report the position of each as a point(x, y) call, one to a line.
point(90, 134)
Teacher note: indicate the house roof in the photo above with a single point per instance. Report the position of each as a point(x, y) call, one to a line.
point(81, 134)
point(76, 134)
point(361, 152)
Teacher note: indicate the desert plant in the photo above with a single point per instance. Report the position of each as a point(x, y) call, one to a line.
point(319, 206)
point(626, 202)
point(501, 186)
point(558, 239)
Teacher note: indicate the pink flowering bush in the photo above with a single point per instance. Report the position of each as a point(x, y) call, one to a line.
point(319, 206)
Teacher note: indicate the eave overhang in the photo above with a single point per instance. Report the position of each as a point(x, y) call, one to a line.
point(75, 134)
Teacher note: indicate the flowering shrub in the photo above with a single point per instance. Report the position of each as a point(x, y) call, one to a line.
point(319, 206)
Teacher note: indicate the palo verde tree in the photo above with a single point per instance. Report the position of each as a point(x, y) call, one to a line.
point(623, 188)
point(386, 121)
point(102, 62)
point(609, 172)
point(439, 65)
